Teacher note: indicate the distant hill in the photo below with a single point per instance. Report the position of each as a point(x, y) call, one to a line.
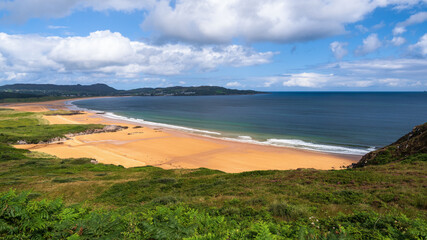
point(187, 91)
point(61, 90)
point(412, 146)
point(43, 90)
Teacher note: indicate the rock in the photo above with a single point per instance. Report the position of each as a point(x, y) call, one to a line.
point(93, 161)
point(113, 128)
point(108, 128)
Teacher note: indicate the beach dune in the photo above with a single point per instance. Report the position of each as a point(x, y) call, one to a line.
point(168, 148)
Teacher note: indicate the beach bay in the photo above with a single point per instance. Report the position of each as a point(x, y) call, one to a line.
point(169, 148)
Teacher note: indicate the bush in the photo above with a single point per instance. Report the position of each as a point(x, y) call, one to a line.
point(67, 180)
point(165, 200)
point(8, 153)
point(288, 211)
point(23, 218)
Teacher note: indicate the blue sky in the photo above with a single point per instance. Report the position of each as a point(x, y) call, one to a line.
point(272, 45)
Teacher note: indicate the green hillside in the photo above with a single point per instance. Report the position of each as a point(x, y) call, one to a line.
point(187, 91)
point(412, 146)
point(61, 90)
point(44, 197)
point(46, 92)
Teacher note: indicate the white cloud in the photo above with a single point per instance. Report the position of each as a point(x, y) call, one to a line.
point(420, 48)
point(216, 21)
point(14, 76)
point(397, 41)
point(311, 80)
point(398, 30)
point(270, 81)
point(104, 52)
point(378, 26)
point(338, 49)
point(377, 73)
point(403, 4)
point(408, 71)
point(22, 10)
point(370, 44)
point(414, 19)
point(253, 20)
point(56, 27)
point(362, 28)
point(233, 84)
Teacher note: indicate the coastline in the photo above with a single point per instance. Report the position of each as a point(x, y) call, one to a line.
point(171, 148)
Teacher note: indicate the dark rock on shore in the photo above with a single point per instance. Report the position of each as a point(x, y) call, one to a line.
point(108, 128)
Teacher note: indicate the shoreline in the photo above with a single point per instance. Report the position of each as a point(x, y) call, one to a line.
point(173, 148)
point(276, 142)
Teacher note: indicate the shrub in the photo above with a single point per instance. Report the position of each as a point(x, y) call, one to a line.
point(165, 200)
point(288, 211)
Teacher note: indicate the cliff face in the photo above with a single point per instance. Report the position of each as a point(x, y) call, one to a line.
point(412, 144)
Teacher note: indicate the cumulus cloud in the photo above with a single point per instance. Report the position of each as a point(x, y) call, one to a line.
point(233, 84)
point(312, 80)
point(316, 80)
point(216, 21)
point(104, 52)
point(56, 27)
point(370, 44)
point(397, 41)
point(379, 73)
point(253, 20)
point(14, 76)
point(408, 71)
point(338, 49)
point(22, 10)
point(420, 48)
point(362, 28)
point(413, 19)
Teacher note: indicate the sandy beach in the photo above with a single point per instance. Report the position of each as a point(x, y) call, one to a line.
point(141, 145)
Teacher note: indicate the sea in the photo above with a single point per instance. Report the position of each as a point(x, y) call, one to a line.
point(351, 123)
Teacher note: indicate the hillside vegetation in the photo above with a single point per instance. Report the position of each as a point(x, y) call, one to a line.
point(410, 147)
point(44, 197)
point(46, 92)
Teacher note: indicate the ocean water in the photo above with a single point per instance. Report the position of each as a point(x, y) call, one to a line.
point(337, 122)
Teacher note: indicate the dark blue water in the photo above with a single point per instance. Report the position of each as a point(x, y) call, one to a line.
point(326, 121)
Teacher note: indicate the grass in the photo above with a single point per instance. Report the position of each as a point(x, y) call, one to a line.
point(32, 128)
point(373, 202)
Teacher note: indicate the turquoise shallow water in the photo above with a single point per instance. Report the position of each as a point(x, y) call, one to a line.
point(346, 123)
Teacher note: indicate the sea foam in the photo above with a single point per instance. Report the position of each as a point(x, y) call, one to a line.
point(155, 124)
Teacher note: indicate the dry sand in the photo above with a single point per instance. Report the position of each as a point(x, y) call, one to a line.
point(167, 148)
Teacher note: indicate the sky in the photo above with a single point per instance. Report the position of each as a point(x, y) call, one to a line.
point(268, 45)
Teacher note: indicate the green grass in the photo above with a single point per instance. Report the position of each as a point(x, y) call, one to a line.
point(32, 128)
point(112, 202)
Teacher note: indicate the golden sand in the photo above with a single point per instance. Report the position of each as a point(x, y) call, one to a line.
point(169, 148)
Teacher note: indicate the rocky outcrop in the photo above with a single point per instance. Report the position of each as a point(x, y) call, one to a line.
point(412, 143)
point(63, 112)
point(108, 128)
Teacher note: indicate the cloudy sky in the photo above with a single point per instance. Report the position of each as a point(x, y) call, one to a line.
point(272, 45)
